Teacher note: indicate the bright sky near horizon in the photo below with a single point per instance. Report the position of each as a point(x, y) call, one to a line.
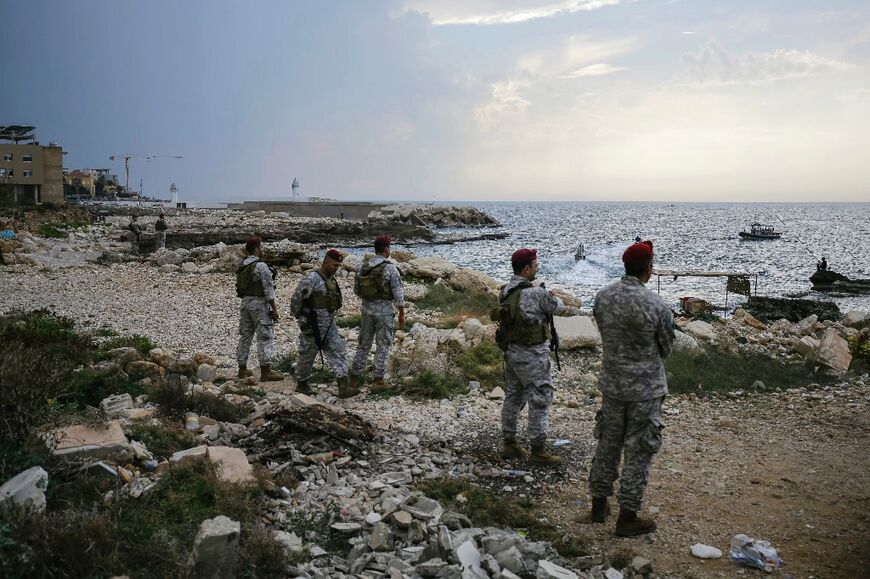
point(677, 100)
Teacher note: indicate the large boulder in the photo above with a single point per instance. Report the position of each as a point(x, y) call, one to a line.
point(25, 489)
point(701, 330)
point(856, 319)
point(429, 268)
point(216, 548)
point(469, 280)
point(833, 352)
point(685, 343)
point(577, 332)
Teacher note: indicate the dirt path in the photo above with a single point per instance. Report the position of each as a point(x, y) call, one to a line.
point(792, 468)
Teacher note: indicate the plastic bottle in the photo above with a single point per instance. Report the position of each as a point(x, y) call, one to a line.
point(753, 553)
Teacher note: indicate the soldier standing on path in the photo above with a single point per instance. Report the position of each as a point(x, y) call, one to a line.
point(524, 335)
point(135, 234)
point(379, 284)
point(161, 227)
point(637, 334)
point(314, 303)
point(258, 312)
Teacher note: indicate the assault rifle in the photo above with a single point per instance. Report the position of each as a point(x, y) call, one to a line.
point(311, 317)
point(554, 336)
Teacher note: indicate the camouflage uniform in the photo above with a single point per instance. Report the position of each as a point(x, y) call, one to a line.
point(135, 236)
point(255, 318)
point(637, 333)
point(160, 226)
point(527, 368)
point(333, 345)
point(378, 320)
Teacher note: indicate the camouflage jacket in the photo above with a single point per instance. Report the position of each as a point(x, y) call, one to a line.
point(637, 334)
point(536, 304)
point(261, 271)
point(393, 278)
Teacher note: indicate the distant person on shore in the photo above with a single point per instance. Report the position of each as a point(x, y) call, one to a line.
point(135, 234)
point(637, 334)
point(822, 265)
point(637, 238)
point(524, 334)
point(314, 303)
point(379, 284)
point(257, 313)
point(160, 226)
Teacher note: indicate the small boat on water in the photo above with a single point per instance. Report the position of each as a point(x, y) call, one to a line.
point(758, 231)
point(580, 253)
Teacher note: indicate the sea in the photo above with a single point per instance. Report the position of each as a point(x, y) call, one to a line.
point(686, 236)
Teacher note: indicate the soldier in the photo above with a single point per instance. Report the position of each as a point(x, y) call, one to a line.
point(524, 335)
point(314, 303)
point(258, 312)
point(637, 333)
point(135, 234)
point(379, 284)
point(161, 227)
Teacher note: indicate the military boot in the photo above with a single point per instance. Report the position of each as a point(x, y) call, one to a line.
point(266, 375)
point(628, 524)
point(345, 389)
point(600, 509)
point(510, 448)
point(244, 372)
point(379, 386)
point(302, 387)
point(540, 455)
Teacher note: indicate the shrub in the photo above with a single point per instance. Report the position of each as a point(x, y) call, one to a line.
point(457, 305)
point(142, 343)
point(429, 384)
point(353, 321)
point(285, 363)
point(483, 363)
point(162, 440)
point(175, 400)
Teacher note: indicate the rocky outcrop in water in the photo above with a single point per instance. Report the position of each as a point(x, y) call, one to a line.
point(437, 215)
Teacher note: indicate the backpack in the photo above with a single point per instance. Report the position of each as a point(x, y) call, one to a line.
point(512, 328)
point(371, 283)
point(246, 284)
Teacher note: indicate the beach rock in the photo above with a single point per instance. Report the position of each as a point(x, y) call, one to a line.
point(473, 330)
point(641, 565)
point(162, 357)
point(26, 489)
point(701, 330)
point(381, 538)
point(231, 463)
point(80, 441)
point(430, 268)
point(833, 352)
point(702, 551)
point(806, 346)
point(683, 342)
point(496, 393)
point(806, 326)
point(206, 373)
point(117, 406)
point(577, 332)
point(469, 280)
point(216, 548)
point(189, 267)
point(547, 570)
point(855, 319)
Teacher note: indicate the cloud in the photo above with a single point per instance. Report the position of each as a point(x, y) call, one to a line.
point(488, 13)
point(505, 100)
point(714, 66)
point(593, 70)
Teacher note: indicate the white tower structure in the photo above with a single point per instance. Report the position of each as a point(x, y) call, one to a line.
point(295, 187)
point(174, 190)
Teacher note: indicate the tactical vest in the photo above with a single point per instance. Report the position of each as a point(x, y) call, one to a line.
point(330, 301)
point(371, 283)
point(513, 328)
point(246, 283)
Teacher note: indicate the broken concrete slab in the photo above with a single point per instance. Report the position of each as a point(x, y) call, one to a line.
point(577, 332)
point(116, 406)
point(855, 319)
point(496, 393)
point(701, 330)
point(806, 326)
point(26, 489)
point(468, 555)
point(80, 441)
point(381, 538)
point(833, 352)
point(188, 456)
point(216, 548)
point(683, 342)
point(206, 373)
point(423, 508)
point(231, 463)
point(547, 570)
point(806, 346)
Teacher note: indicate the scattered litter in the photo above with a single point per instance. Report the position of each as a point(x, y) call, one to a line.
point(560, 442)
point(702, 551)
point(191, 421)
point(754, 553)
point(7, 234)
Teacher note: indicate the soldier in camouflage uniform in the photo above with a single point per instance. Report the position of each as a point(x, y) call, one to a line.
point(135, 234)
point(524, 335)
point(160, 227)
point(379, 284)
point(314, 303)
point(257, 313)
point(637, 333)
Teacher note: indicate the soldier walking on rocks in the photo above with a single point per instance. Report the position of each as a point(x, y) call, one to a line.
point(258, 312)
point(161, 227)
point(135, 234)
point(314, 303)
point(637, 333)
point(379, 284)
point(524, 334)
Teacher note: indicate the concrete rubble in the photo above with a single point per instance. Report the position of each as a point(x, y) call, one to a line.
point(216, 548)
point(26, 489)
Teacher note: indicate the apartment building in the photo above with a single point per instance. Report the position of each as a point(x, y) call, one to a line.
point(33, 172)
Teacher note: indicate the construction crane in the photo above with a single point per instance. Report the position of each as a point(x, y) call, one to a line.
point(127, 157)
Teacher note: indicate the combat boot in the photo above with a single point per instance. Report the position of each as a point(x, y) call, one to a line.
point(379, 386)
point(302, 387)
point(510, 448)
point(244, 372)
point(628, 524)
point(540, 455)
point(266, 375)
point(355, 380)
point(345, 389)
point(600, 510)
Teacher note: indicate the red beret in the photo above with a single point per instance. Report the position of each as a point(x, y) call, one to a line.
point(335, 254)
point(252, 243)
point(524, 255)
point(383, 240)
point(638, 253)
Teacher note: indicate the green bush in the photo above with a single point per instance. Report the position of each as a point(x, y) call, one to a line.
point(428, 384)
point(174, 400)
point(457, 305)
point(162, 440)
point(483, 363)
point(353, 321)
point(285, 363)
point(143, 344)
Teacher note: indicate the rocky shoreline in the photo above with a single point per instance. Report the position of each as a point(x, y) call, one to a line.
point(368, 457)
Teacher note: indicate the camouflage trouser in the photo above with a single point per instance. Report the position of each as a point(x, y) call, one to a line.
point(134, 244)
point(632, 429)
point(381, 330)
point(255, 318)
point(161, 240)
point(527, 380)
point(334, 353)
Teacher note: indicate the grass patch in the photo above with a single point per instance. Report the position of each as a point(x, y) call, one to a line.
point(314, 526)
point(162, 441)
point(483, 363)
point(175, 400)
point(285, 363)
point(721, 370)
point(143, 344)
point(859, 347)
point(353, 321)
point(455, 305)
point(59, 230)
point(486, 508)
point(429, 384)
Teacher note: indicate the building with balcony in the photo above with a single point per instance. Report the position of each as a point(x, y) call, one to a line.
point(30, 172)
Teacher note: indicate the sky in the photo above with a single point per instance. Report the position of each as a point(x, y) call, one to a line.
point(452, 100)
